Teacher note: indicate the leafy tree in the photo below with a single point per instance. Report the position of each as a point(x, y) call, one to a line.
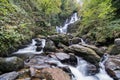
point(97, 15)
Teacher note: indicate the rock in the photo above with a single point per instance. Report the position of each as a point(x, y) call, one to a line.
point(38, 44)
point(24, 74)
point(114, 50)
point(99, 51)
point(112, 66)
point(60, 45)
point(41, 36)
point(39, 48)
point(60, 56)
point(91, 69)
point(38, 40)
point(49, 46)
point(9, 76)
point(11, 64)
point(52, 74)
point(70, 61)
point(117, 42)
point(75, 40)
point(85, 52)
point(64, 39)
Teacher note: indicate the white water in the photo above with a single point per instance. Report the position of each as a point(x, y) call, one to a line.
point(63, 29)
point(31, 48)
point(80, 70)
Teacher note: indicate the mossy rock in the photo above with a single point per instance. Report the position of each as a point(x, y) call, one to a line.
point(114, 50)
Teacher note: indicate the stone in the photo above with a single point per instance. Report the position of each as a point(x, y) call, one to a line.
point(85, 52)
point(70, 61)
point(112, 66)
point(113, 50)
point(11, 64)
point(38, 44)
point(62, 46)
point(38, 40)
point(49, 46)
point(117, 42)
point(9, 76)
point(99, 51)
point(60, 56)
point(39, 48)
point(75, 40)
point(52, 74)
point(63, 38)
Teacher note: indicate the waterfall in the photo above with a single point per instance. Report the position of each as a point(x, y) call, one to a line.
point(63, 29)
point(31, 48)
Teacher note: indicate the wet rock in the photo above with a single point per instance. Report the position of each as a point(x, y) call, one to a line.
point(114, 50)
point(117, 42)
point(10, 64)
point(23, 56)
point(39, 48)
point(64, 39)
point(60, 45)
point(38, 44)
point(85, 52)
point(38, 40)
point(60, 56)
point(9, 76)
point(52, 74)
point(112, 66)
point(49, 46)
point(99, 51)
point(70, 61)
point(91, 69)
point(24, 74)
point(75, 40)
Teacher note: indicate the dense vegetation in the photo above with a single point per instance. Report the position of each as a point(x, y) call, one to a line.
point(21, 20)
point(100, 20)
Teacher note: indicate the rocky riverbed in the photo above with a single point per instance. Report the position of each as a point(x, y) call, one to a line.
point(59, 52)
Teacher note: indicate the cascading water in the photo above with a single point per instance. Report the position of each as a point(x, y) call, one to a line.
point(32, 48)
point(63, 29)
point(80, 70)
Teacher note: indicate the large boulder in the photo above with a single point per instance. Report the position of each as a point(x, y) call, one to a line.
point(60, 56)
point(99, 51)
point(62, 46)
point(112, 66)
point(114, 50)
point(85, 52)
point(64, 39)
point(75, 40)
point(9, 76)
point(52, 74)
point(11, 64)
point(117, 42)
point(49, 46)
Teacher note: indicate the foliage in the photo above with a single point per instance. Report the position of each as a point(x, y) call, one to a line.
point(98, 20)
point(21, 19)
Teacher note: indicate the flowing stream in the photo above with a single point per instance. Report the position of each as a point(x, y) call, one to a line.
point(32, 48)
point(80, 71)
